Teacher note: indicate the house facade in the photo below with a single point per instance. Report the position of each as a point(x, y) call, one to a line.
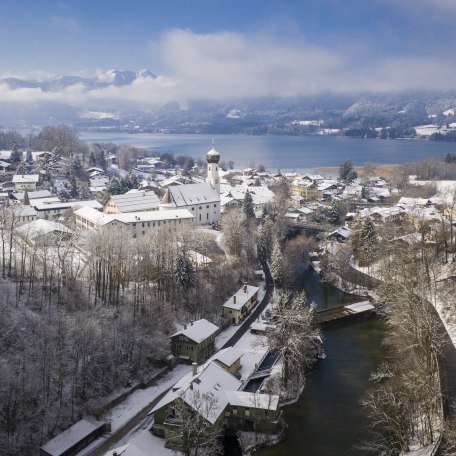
point(25, 181)
point(195, 342)
point(135, 224)
point(236, 309)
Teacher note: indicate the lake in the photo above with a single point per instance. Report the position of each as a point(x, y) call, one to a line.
point(284, 152)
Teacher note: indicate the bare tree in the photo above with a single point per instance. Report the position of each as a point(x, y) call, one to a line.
point(195, 425)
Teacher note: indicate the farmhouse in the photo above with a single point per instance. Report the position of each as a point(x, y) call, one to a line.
point(240, 304)
point(194, 342)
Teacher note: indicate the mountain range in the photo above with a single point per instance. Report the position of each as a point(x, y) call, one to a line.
point(76, 101)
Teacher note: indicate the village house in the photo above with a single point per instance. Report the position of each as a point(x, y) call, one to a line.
point(25, 181)
point(306, 189)
point(240, 304)
point(239, 410)
point(230, 359)
point(4, 167)
point(342, 234)
point(136, 224)
point(132, 201)
point(195, 341)
point(234, 197)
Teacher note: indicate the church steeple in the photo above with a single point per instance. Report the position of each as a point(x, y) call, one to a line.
point(213, 159)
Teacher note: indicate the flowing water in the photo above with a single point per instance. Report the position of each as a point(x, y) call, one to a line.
point(328, 419)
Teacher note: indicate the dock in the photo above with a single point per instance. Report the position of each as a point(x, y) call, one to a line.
point(348, 312)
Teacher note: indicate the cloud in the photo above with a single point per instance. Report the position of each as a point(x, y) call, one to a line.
point(226, 64)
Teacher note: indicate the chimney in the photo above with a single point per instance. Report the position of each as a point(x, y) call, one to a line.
point(194, 369)
point(245, 288)
point(185, 326)
point(234, 299)
point(191, 322)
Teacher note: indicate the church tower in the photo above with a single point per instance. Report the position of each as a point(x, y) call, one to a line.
point(213, 158)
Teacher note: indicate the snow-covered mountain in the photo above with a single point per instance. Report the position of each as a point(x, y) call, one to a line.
point(110, 77)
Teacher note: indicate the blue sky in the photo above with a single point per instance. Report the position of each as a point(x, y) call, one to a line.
point(214, 46)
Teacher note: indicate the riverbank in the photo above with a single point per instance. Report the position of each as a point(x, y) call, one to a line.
point(385, 170)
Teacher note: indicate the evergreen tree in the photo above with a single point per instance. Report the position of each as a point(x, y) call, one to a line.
point(114, 186)
point(16, 155)
point(277, 270)
point(185, 272)
point(29, 157)
point(73, 190)
point(335, 213)
point(84, 192)
point(347, 171)
point(264, 242)
point(368, 239)
point(248, 206)
point(92, 159)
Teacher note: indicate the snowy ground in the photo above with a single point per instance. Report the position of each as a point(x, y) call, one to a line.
point(141, 439)
point(446, 315)
point(120, 414)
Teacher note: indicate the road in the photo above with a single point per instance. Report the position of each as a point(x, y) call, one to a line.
point(254, 315)
point(135, 421)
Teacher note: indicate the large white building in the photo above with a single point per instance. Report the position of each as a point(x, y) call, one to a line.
point(201, 200)
point(136, 224)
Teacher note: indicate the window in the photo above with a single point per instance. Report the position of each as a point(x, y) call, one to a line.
point(153, 224)
point(148, 224)
point(215, 205)
point(134, 225)
point(200, 207)
point(143, 224)
point(207, 207)
point(207, 216)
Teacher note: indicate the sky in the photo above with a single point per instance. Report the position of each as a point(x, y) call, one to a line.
point(225, 48)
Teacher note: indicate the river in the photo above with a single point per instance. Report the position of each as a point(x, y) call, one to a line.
point(328, 419)
point(284, 152)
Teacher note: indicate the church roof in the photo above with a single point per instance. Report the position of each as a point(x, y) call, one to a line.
point(191, 194)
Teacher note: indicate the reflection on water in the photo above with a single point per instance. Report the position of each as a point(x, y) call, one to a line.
point(324, 295)
point(328, 419)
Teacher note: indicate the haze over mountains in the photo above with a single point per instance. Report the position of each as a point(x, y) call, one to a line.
point(112, 100)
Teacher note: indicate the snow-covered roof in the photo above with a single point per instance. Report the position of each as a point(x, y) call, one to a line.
point(4, 164)
point(41, 227)
point(190, 194)
point(129, 449)
point(86, 203)
point(197, 331)
point(26, 178)
point(100, 218)
point(343, 231)
point(228, 355)
point(210, 379)
point(241, 297)
point(136, 201)
point(64, 441)
point(26, 211)
point(149, 216)
point(252, 400)
point(94, 216)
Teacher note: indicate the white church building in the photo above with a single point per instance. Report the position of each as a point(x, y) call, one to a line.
point(201, 200)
